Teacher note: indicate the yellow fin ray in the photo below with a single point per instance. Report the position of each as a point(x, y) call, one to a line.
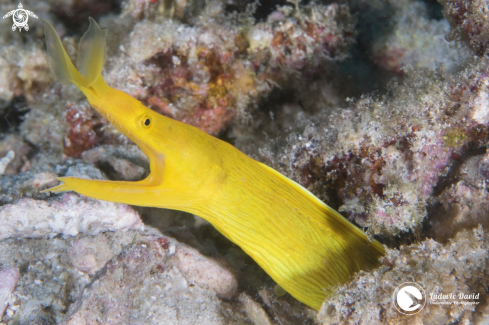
point(92, 52)
point(58, 60)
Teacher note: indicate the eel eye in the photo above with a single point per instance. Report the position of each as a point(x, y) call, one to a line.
point(146, 121)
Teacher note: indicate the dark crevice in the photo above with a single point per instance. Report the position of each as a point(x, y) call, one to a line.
point(443, 222)
point(453, 175)
point(108, 170)
point(284, 309)
point(362, 75)
point(435, 9)
point(76, 17)
point(270, 106)
point(12, 114)
point(404, 238)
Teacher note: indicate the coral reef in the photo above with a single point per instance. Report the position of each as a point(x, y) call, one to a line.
point(205, 272)
point(208, 74)
point(438, 268)
point(384, 156)
point(419, 43)
point(469, 22)
point(25, 74)
point(76, 12)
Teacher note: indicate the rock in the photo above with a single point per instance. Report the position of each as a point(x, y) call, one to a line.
point(125, 277)
point(14, 187)
point(142, 285)
point(254, 311)
point(6, 160)
point(8, 281)
point(69, 215)
point(205, 271)
point(126, 162)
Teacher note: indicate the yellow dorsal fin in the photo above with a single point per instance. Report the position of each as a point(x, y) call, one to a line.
point(92, 52)
point(58, 60)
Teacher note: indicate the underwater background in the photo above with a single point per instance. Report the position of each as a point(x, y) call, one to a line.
point(378, 107)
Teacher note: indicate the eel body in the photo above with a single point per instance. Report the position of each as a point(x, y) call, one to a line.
point(304, 245)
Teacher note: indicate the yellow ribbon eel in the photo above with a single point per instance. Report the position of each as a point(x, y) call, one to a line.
point(304, 245)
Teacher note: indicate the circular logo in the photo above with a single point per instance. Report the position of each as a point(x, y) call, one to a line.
point(409, 298)
point(20, 18)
